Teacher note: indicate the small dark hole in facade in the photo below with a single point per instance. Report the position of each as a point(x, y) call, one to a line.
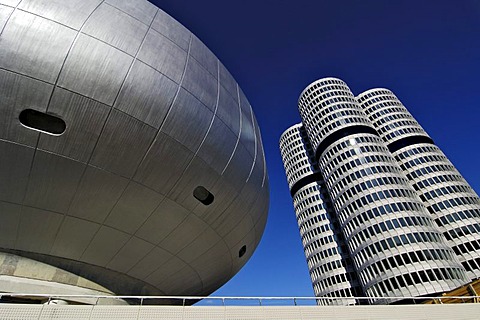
point(242, 251)
point(43, 122)
point(203, 195)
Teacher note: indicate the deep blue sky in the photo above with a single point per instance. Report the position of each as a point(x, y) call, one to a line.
point(426, 51)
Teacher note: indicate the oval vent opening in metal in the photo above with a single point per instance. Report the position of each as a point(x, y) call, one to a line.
point(242, 251)
point(43, 122)
point(203, 195)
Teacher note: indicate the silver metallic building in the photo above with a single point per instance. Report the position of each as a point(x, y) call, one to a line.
point(396, 247)
point(131, 162)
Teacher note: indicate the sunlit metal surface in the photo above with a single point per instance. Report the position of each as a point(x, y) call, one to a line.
point(107, 206)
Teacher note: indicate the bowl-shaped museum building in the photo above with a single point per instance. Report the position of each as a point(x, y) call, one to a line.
point(130, 160)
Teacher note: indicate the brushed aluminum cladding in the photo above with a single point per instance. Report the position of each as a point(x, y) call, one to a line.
point(150, 115)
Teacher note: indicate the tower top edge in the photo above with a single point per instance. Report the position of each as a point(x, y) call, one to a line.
point(318, 81)
point(373, 90)
point(289, 129)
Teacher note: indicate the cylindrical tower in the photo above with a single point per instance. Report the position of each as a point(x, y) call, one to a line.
point(396, 247)
point(454, 204)
point(329, 262)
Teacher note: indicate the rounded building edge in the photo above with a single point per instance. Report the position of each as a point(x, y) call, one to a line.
point(316, 82)
point(244, 152)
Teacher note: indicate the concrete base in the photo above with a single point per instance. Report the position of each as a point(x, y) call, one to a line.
point(27, 288)
point(27, 277)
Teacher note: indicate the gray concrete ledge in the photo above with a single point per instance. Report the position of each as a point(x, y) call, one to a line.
point(402, 312)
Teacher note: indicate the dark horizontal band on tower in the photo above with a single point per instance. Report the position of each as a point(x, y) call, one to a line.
point(339, 134)
point(408, 141)
point(304, 181)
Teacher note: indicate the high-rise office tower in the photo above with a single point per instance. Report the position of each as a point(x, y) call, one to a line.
point(453, 203)
point(395, 245)
point(329, 262)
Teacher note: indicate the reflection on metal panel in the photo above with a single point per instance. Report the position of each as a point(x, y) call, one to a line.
point(201, 84)
point(146, 94)
point(12, 3)
point(204, 56)
point(5, 13)
point(228, 110)
point(29, 36)
point(109, 205)
point(163, 55)
point(116, 28)
point(71, 13)
point(171, 29)
point(123, 143)
point(227, 81)
point(178, 124)
point(141, 10)
point(94, 69)
point(247, 137)
point(218, 146)
point(163, 164)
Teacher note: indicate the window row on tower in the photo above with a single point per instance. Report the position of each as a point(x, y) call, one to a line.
point(392, 203)
point(329, 263)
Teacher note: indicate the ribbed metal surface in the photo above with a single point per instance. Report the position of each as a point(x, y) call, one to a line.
point(150, 115)
point(454, 205)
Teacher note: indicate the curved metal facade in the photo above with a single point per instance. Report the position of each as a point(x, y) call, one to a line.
point(151, 115)
point(396, 247)
point(454, 204)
